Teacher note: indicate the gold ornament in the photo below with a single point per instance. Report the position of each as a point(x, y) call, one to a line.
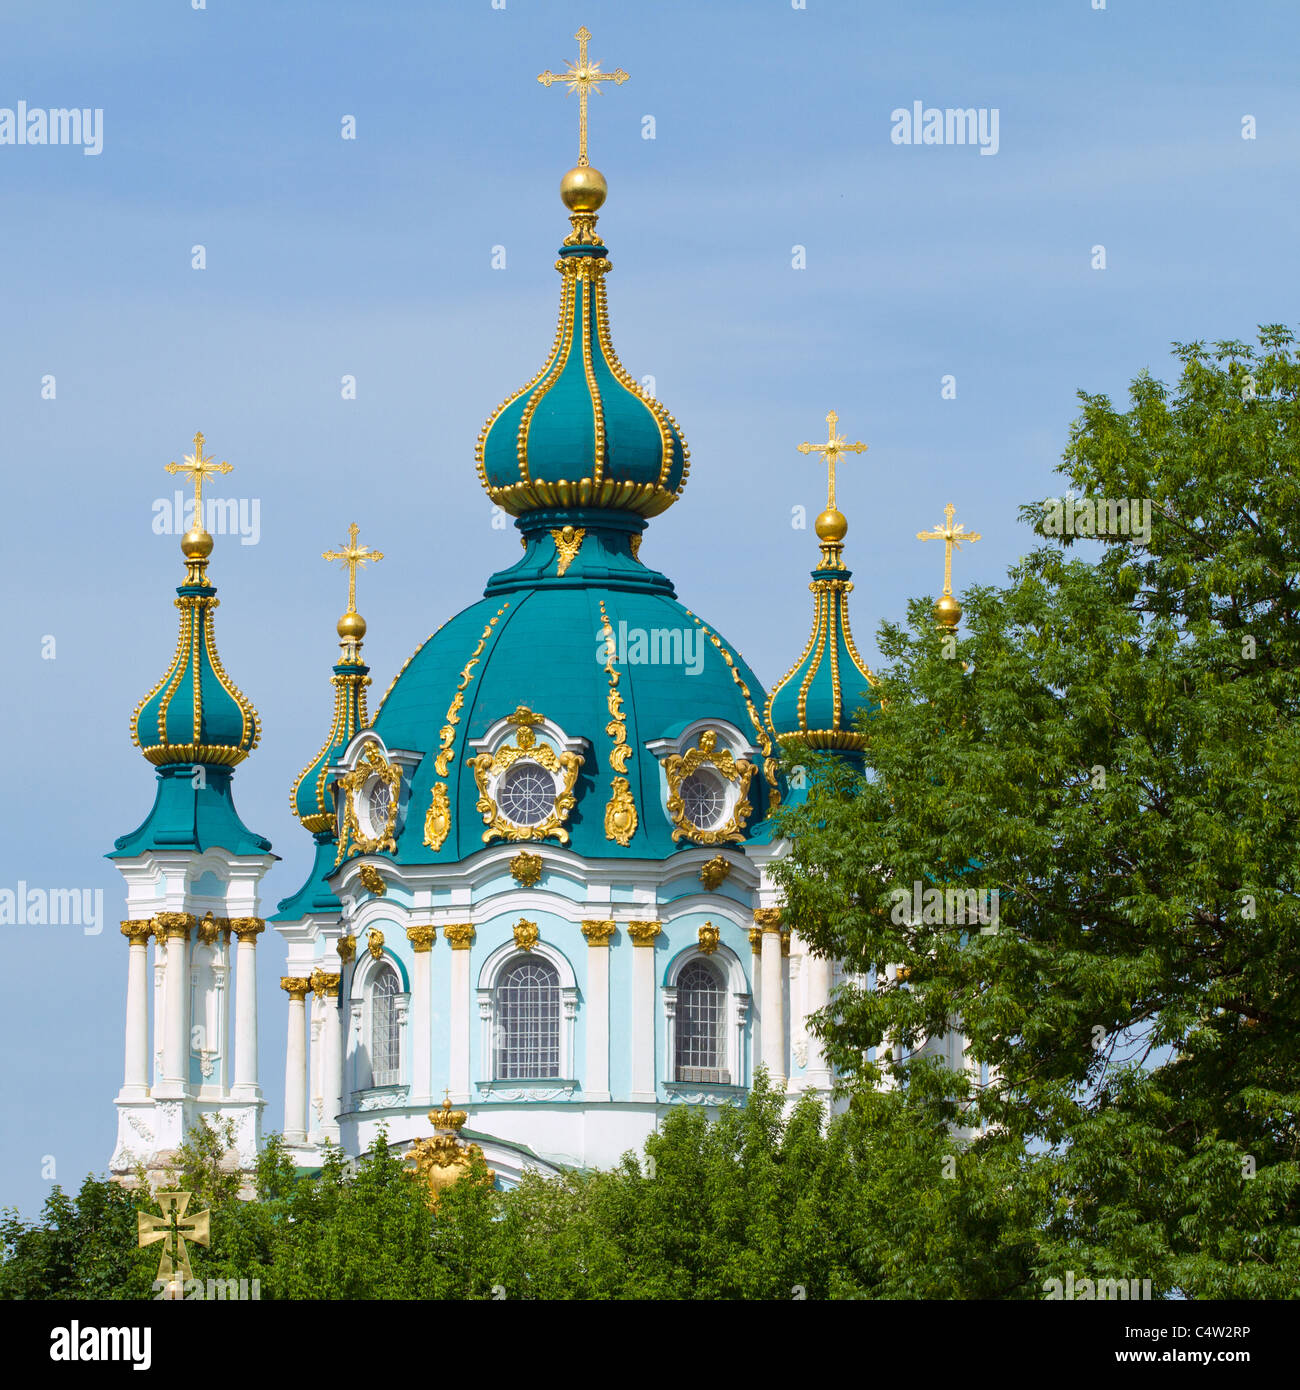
point(767, 918)
point(447, 735)
point(210, 928)
point(352, 626)
point(295, 986)
point(526, 869)
point(460, 935)
point(715, 871)
point(421, 938)
point(831, 525)
point(443, 1160)
point(326, 984)
point(583, 77)
point(352, 840)
point(709, 939)
point(643, 933)
point(346, 948)
point(173, 1229)
point(169, 924)
point(490, 766)
point(437, 819)
point(678, 767)
point(371, 880)
point(620, 813)
point(756, 939)
point(598, 932)
point(568, 541)
point(247, 928)
point(138, 931)
point(947, 611)
point(375, 943)
point(525, 934)
point(634, 545)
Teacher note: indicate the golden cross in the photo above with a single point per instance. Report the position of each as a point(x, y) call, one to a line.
point(353, 555)
point(173, 1231)
point(198, 467)
point(583, 77)
point(835, 446)
point(952, 537)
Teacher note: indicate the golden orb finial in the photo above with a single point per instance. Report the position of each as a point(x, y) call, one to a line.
point(583, 189)
point(947, 612)
point(832, 525)
point(196, 544)
point(352, 627)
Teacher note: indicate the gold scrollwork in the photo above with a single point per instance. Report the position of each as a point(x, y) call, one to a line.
point(620, 810)
point(375, 943)
point(598, 932)
point(489, 767)
point(371, 880)
point(460, 935)
point(643, 933)
point(709, 939)
point(526, 934)
point(620, 813)
point(447, 734)
point(346, 946)
point(353, 840)
point(568, 542)
point(715, 871)
point(437, 819)
point(679, 766)
point(526, 869)
point(421, 938)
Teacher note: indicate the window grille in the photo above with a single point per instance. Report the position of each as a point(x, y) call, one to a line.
point(528, 1020)
point(701, 1025)
point(385, 1030)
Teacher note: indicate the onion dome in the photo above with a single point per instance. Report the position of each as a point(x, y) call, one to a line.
point(195, 713)
point(819, 696)
point(311, 798)
point(582, 433)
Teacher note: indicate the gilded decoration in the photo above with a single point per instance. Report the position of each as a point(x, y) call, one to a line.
point(295, 986)
point(634, 545)
point(353, 840)
point(568, 542)
point(715, 871)
point(447, 735)
point(437, 819)
point(210, 928)
point(421, 938)
point(375, 943)
point(460, 935)
point(138, 931)
point(444, 1159)
point(785, 943)
point(678, 767)
point(767, 918)
point(643, 933)
point(620, 810)
point(947, 611)
point(169, 924)
point(710, 937)
point(371, 880)
point(598, 933)
point(526, 869)
point(346, 947)
point(756, 939)
point(526, 934)
point(326, 984)
point(247, 928)
point(489, 767)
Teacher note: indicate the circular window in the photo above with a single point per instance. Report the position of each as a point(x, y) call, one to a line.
point(704, 799)
point(526, 794)
point(378, 803)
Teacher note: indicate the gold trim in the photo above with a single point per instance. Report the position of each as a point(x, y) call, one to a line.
point(568, 542)
point(678, 767)
point(460, 935)
point(437, 819)
point(375, 943)
point(346, 949)
point(598, 932)
point(756, 939)
point(447, 734)
point(715, 871)
point(620, 813)
point(488, 767)
point(643, 933)
point(371, 763)
point(421, 938)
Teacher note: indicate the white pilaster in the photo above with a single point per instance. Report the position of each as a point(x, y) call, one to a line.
point(327, 989)
point(819, 993)
point(460, 936)
point(135, 1076)
point(295, 1061)
point(175, 928)
point(643, 936)
point(773, 1018)
point(246, 929)
point(421, 1030)
point(595, 1084)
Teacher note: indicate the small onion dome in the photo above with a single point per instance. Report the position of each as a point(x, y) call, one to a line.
point(195, 713)
point(820, 694)
point(310, 798)
point(582, 433)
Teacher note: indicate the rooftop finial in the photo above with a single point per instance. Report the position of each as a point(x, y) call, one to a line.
point(352, 626)
point(946, 609)
point(196, 544)
point(583, 188)
point(832, 525)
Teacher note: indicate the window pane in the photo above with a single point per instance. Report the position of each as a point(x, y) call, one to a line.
point(701, 1025)
point(385, 1034)
point(528, 1020)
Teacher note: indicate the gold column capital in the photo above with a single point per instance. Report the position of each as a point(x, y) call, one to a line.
point(756, 939)
point(169, 924)
point(643, 933)
point(767, 918)
point(247, 928)
point(296, 986)
point(138, 931)
point(324, 983)
point(346, 948)
point(212, 927)
point(598, 933)
point(460, 934)
point(421, 938)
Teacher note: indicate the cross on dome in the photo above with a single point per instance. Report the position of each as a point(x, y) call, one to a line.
point(583, 77)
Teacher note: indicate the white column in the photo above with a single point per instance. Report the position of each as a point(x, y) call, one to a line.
point(421, 1029)
point(773, 1018)
point(595, 1084)
point(327, 989)
point(246, 929)
point(175, 928)
point(819, 994)
point(135, 1076)
point(643, 936)
point(221, 983)
point(461, 937)
point(295, 1061)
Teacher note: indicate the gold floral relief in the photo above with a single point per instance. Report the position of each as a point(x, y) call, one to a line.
point(352, 840)
point(489, 768)
point(437, 819)
point(739, 771)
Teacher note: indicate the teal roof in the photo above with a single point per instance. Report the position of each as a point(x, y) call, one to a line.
point(582, 433)
point(189, 817)
point(311, 797)
point(195, 713)
point(535, 640)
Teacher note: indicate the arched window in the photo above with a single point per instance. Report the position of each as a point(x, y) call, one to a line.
point(385, 1029)
point(701, 1025)
point(528, 1019)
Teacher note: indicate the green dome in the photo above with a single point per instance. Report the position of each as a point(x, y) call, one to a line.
point(310, 798)
point(540, 640)
point(582, 433)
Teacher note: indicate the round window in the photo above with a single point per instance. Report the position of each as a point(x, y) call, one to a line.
point(526, 794)
point(378, 803)
point(704, 799)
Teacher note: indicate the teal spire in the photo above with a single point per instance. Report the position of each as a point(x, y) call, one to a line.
point(582, 433)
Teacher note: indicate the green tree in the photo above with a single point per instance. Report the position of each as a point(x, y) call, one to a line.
point(1113, 747)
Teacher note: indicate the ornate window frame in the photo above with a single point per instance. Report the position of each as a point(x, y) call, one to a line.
point(525, 736)
point(489, 977)
point(371, 765)
point(718, 747)
point(735, 983)
point(361, 1020)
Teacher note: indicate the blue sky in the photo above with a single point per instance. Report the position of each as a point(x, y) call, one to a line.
point(221, 127)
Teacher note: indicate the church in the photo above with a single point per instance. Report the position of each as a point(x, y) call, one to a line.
point(540, 865)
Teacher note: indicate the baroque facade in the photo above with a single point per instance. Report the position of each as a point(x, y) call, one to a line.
point(541, 868)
